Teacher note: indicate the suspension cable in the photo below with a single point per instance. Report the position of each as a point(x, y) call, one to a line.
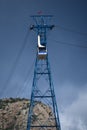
point(15, 63)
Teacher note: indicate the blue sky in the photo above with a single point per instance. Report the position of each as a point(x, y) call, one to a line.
point(67, 47)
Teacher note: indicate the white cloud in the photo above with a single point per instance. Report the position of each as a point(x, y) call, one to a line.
point(74, 117)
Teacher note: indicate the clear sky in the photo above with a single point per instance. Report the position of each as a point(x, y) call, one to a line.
point(67, 47)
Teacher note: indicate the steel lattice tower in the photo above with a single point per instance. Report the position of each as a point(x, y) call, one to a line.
point(42, 87)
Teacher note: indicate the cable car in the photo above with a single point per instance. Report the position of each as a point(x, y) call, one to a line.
point(42, 50)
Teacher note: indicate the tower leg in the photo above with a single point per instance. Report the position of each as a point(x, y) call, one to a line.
point(43, 112)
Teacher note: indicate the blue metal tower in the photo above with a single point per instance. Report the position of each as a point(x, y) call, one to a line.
point(42, 87)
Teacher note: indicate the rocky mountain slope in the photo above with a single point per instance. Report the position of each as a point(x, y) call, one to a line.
point(14, 113)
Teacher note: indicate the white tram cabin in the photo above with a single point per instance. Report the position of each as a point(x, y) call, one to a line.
point(42, 50)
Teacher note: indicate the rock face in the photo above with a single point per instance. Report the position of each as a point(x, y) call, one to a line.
point(14, 112)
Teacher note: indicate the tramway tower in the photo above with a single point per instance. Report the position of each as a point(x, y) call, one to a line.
point(42, 86)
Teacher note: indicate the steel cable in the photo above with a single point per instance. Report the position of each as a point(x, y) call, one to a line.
point(15, 64)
